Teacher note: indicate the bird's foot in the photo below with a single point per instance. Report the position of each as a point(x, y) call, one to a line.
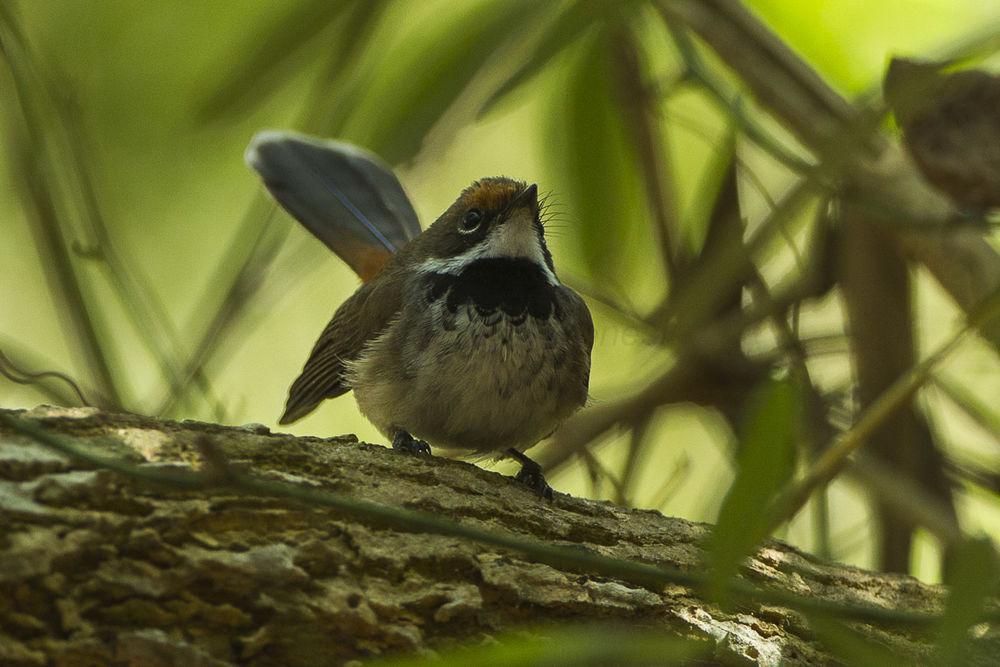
point(404, 442)
point(531, 475)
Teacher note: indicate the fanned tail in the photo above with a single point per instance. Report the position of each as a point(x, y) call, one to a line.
point(347, 197)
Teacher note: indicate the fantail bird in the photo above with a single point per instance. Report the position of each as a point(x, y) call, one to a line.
point(460, 335)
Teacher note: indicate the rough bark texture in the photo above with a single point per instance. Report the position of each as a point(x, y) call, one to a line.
point(97, 569)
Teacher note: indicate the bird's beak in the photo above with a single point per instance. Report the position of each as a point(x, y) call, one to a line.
point(518, 234)
point(527, 198)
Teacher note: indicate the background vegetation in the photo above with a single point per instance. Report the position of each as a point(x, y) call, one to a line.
point(142, 259)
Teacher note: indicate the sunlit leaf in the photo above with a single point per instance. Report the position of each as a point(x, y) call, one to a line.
point(765, 463)
point(420, 78)
point(270, 58)
point(972, 575)
point(590, 152)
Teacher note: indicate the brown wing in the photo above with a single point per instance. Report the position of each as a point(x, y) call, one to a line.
point(578, 315)
point(360, 319)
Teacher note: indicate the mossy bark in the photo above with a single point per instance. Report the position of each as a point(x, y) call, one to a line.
point(99, 569)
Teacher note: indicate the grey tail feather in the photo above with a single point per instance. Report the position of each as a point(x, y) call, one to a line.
point(294, 412)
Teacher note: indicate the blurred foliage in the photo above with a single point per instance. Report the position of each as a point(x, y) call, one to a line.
point(972, 573)
point(574, 647)
point(765, 463)
point(143, 267)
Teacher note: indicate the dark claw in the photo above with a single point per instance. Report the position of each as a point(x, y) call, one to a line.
point(531, 475)
point(534, 480)
point(404, 442)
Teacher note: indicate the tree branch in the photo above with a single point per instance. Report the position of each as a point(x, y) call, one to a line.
point(314, 550)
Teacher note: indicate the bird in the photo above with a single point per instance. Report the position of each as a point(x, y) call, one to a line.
point(460, 335)
point(951, 128)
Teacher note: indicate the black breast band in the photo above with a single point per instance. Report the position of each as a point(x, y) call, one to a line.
point(518, 287)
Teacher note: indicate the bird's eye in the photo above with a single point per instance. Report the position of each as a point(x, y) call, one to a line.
point(471, 221)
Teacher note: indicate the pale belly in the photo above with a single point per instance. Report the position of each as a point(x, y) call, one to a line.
point(482, 384)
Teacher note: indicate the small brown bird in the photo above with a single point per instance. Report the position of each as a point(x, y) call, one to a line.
point(951, 127)
point(461, 335)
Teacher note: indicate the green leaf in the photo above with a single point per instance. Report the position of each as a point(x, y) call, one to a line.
point(573, 647)
point(972, 575)
point(765, 463)
point(565, 30)
point(420, 77)
point(712, 212)
point(593, 162)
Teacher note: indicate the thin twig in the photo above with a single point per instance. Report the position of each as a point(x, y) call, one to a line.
point(671, 483)
point(622, 312)
point(967, 471)
point(780, 80)
point(30, 163)
point(672, 385)
point(815, 419)
point(246, 263)
point(835, 456)
point(600, 471)
point(14, 373)
point(647, 137)
point(730, 104)
point(977, 409)
point(728, 264)
point(907, 499)
point(258, 244)
point(65, 284)
point(636, 442)
point(139, 299)
point(961, 259)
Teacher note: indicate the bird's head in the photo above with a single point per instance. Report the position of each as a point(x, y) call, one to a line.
point(494, 217)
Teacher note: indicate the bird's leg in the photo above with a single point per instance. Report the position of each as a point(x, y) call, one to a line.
point(404, 442)
point(531, 474)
